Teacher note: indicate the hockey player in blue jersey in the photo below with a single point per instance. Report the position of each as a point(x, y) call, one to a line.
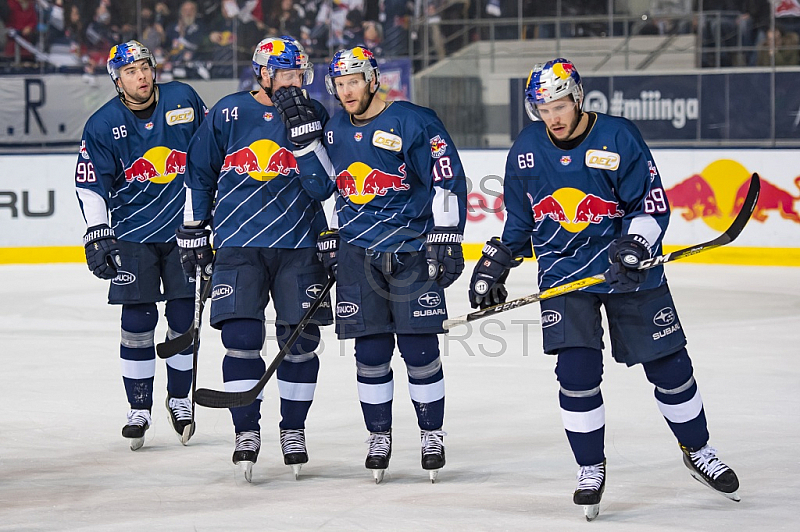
point(584, 188)
point(243, 181)
point(400, 210)
point(131, 164)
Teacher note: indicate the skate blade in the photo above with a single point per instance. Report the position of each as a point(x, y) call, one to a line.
point(296, 470)
point(378, 475)
point(434, 473)
point(188, 432)
point(591, 511)
point(732, 496)
point(136, 443)
point(245, 469)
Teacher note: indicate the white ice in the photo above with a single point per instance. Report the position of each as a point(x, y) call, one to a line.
point(65, 466)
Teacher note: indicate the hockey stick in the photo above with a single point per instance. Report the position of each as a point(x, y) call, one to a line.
point(220, 399)
point(188, 431)
point(725, 238)
point(173, 346)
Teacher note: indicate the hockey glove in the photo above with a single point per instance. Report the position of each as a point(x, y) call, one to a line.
point(195, 249)
point(444, 254)
point(487, 286)
point(102, 251)
point(303, 126)
point(327, 250)
point(625, 254)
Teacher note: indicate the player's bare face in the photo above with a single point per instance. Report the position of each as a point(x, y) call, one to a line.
point(354, 93)
point(136, 81)
point(561, 118)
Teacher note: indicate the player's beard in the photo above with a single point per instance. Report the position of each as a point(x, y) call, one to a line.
point(570, 129)
point(363, 103)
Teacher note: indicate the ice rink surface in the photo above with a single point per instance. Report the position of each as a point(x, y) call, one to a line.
point(65, 466)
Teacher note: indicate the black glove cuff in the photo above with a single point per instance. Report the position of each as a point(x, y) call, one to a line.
point(97, 232)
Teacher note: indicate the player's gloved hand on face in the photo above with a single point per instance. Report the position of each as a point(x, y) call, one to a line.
point(487, 286)
point(194, 244)
point(625, 255)
point(102, 251)
point(444, 254)
point(328, 249)
point(298, 115)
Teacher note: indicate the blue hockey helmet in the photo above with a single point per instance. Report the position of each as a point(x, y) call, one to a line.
point(277, 53)
point(552, 81)
point(358, 60)
point(125, 54)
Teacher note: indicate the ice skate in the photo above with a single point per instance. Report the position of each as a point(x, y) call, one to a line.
point(180, 417)
point(707, 469)
point(248, 443)
point(293, 444)
point(138, 423)
point(591, 484)
point(380, 451)
point(432, 451)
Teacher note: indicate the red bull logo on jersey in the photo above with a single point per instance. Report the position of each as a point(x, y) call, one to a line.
point(574, 209)
point(158, 165)
point(262, 160)
point(716, 194)
point(438, 147)
point(361, 184)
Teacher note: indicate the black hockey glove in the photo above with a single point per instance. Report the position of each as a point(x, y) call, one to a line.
point(444, 254)
point(487, 286)
point(195, 248)
point(102, 251)
point(328, 249)
point(298, 114)
point(625, 254)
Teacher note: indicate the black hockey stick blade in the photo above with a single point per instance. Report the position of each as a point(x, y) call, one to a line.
point(221, 399)
point(173, 346)
point(730, 234)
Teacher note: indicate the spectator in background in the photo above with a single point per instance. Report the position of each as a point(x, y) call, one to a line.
point(153, 35)
point(185, 36)
point(100, 37)
point(353, 33)
point(230, 40)
point(787, 14)
point(286, 18)
point(331, 19)
point(373, 37)
point(395, 16)
point(21, 17)
point(780, 46)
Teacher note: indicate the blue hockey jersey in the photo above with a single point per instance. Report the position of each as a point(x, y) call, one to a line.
point(243, 176)
point(572, 203)
point(398, 176)
point(134, 167)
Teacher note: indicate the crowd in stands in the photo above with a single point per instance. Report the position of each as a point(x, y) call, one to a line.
point(207, 38)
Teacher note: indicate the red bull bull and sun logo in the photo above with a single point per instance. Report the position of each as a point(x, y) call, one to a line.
point(158, 165)
point(574, 209)
point(360, 183)
point(262, 160)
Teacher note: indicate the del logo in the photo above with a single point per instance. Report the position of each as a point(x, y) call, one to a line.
point(438, 147)
point(220, 291)
point(262, 160)
point(313, 291)
point(123, 278)
point(574, 209)
point(603, 160)
point(664, 317)
point(180, 116)
point(717, 193)
point(550, 317)
point(360, 183)
point(387, 141)
point(158, 165)
point(345, 309)
point(429, 299)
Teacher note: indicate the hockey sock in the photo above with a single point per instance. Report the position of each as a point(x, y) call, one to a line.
point(138, 354)
point(375, 380)
point(297, 375)
point(579, 371)
point(678, 398)
point(179, 314)
point(242, 367)
point(425, 377)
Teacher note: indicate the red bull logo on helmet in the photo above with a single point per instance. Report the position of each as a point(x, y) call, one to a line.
point(158, 165)
point(273, 47)
point(262, 160)
point(362, 53)
point(361, 184)
point(574, 209)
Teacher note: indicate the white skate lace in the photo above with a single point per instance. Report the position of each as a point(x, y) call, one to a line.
point(293, 441)
point(181, 408)
point(591, 477)
point(140, 418)
point(706, 460)
point(432, 441)
point(380, 443)
point(248, 440)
